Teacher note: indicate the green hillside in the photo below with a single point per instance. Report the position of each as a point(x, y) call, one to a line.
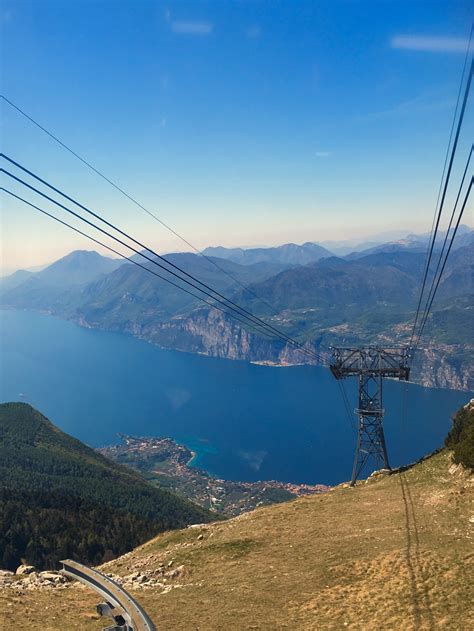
point(461, 437)
point(59, 497)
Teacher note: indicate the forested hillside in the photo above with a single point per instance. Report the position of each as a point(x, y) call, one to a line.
point(59, 498)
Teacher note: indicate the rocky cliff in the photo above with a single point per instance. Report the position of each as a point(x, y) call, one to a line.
point(207, 332)
point(210, 332)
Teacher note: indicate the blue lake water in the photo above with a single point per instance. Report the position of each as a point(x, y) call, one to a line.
point(245, 422)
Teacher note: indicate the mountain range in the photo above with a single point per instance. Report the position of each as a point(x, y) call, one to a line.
point(366, 298)
point(288, 254)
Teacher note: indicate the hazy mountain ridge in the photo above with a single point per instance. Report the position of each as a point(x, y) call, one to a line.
point(384, 278)
point(370, 299)
point(419, 243)
point(288, 254)
point(59, 282)
point(13, 280)
point(335, 281)
point(131, 290)
point(77, 268)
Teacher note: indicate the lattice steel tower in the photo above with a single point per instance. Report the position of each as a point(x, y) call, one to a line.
point(371, 365)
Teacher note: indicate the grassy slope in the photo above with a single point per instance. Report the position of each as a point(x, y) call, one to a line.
point(392, 554)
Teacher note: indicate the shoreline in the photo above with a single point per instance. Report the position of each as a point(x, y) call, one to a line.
point(266, 363)
point(194, 456)
point(269, 364)
point(166, 461)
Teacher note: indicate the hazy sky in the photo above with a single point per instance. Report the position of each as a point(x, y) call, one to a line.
point(237, 122)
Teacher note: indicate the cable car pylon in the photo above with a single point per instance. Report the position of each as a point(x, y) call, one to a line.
point(371, 365)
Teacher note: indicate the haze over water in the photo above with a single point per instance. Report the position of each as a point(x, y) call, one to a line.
point(246, 422)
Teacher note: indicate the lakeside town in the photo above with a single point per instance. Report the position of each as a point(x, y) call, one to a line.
point(165, 462)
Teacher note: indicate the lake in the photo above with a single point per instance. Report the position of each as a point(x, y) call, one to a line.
point(245, 422)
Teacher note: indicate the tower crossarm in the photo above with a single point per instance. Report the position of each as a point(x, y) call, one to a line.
point(371, 361)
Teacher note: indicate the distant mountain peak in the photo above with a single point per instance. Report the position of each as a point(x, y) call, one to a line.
point(288, 253)
point(77, 268)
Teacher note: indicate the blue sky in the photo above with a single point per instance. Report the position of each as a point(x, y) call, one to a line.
point(238, 123)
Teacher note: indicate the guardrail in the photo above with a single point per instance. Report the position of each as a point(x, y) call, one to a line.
point(127, 614)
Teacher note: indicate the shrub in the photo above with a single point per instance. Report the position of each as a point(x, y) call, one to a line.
point(461, 437)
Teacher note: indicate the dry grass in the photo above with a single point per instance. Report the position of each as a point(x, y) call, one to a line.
point(392, 554)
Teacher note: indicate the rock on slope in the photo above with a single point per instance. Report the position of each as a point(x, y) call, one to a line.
point(390, 554)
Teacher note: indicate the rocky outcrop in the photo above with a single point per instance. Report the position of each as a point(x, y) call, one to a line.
point(25, 569)
point(441, 367)
point(207, 332)
point(162, 576)
point(26, 578)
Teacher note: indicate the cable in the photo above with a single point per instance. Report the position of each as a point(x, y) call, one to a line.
point(243, 313)
point(128, 246)
point(147, 269)
point(131, 260)
point(97, 216)
point(403, 420)
point(445, 261)
point(134, 201)
point(445, 187)
point(466, 57)
point(169, 228)
point(347, 405)
point(449, 226)
point(114, 227)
